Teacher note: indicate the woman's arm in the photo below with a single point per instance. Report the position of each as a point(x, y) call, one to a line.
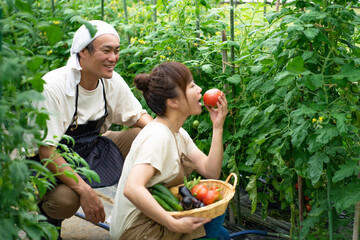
point(143, 120)
point(210, 166)
point(138, 194)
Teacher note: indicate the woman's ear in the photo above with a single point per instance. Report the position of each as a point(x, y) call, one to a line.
point(173, 103)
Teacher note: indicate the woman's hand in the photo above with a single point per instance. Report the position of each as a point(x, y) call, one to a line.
point(218, 114)
point(186, 224)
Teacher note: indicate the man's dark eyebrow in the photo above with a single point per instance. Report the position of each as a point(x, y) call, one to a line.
point(110, 47)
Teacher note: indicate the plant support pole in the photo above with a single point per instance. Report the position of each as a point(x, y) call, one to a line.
point(154, 16)
point(53, 7)
point(126, 20)
point(328, 175)
point(356, 218)
point(102, 9)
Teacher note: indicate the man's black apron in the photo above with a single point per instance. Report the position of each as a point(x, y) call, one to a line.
point(100, 152)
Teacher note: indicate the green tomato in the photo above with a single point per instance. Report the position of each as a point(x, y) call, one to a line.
point(195, 124)
point(355, 88)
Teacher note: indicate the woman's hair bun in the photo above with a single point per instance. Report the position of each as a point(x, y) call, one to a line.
point(142, 81)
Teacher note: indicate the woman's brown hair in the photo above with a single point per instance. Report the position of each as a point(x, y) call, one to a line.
point(162, 83)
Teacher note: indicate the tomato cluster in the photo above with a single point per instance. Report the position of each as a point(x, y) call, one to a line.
point(205, 194)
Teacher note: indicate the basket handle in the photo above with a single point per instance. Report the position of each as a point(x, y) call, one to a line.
point(235, 179)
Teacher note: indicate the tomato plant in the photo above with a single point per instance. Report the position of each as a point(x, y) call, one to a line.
point(211, 97)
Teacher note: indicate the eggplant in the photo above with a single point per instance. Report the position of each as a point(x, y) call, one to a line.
point(187, 203)
point(185, 192)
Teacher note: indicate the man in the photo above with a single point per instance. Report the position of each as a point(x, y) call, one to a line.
point(84, 98)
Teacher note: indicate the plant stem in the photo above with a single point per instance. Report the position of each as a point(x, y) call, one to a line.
point(292, 219)
point(330, 216)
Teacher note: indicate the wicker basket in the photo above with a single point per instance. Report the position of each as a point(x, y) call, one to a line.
point(212, 210)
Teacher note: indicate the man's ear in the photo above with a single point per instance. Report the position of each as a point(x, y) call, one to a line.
point(173, 102)
point(82, 52)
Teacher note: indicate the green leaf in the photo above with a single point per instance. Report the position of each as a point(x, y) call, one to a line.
point(350, 168)
point(234, 79)
point(298, 135)
point(279, 162)
point(303, 110)
point(92, 28)
point(269, 109)
point(23, 6)
point(316, 166)
point(348, 71)
point(346, 197)
point(313, 82)
point(311, 33)
point(341, 122)
point(37, 83)
point(207, 68)
point(205, 4)
point(326, 134)
point(34, 63)
point(249, 115)
point(204, 126)
point(54, 34)
point(252, 190)
point(312, 16)
point(296, 65)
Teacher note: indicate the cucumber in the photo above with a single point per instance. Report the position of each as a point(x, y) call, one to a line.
point(168, 200)
point(161, 188)
point(162, 203)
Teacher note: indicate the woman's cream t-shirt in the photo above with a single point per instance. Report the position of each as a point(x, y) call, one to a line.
point(155, 145)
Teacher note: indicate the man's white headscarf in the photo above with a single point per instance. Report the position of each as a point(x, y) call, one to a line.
point(81, 39)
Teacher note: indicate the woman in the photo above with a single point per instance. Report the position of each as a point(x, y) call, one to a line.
point(164, 153)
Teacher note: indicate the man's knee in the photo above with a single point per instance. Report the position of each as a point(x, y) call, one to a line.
point(123, 139)
point(61, 203)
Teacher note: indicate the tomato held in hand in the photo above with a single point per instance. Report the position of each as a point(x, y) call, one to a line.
point(211, 197)
point(199, 191)
point(211, 97)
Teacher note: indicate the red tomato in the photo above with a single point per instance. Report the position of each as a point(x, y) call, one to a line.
point(211, 97)
point(307, 198)
point(296, 186)
point(211, 197)
point(199, 191)
point(214, 188)
point(308, 207)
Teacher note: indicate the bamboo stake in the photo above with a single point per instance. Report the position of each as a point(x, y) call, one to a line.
point(356, 218)
point(126, 20)
point(330, 215)
point(1, 11)
point(300, 199)
point(53, 7)
point(102, 9)
point(154, 16)
point(277, 6)
point(224, 51)
point(197, 13)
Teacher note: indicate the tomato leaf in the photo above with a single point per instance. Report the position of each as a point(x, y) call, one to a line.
point(350, 168)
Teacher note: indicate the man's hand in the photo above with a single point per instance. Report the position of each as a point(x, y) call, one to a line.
point(89, 201)
point(92, 205)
